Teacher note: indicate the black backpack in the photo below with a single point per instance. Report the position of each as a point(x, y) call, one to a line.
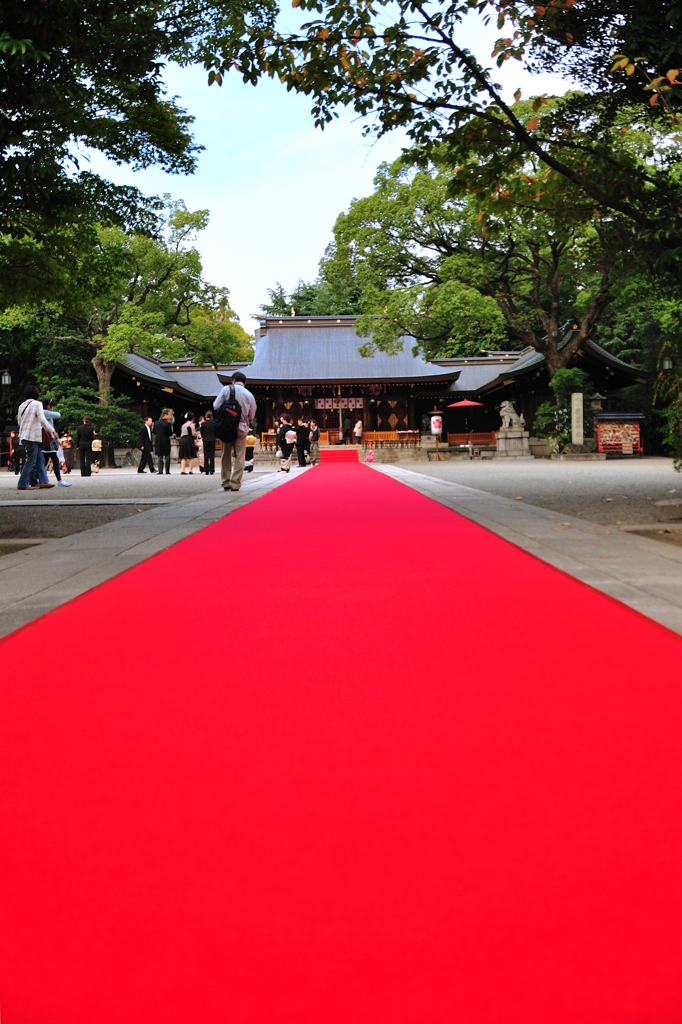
point(227, 418)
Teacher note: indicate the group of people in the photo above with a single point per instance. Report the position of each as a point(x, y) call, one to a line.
point(36, 443)
point(303, 435)
point(351, 430)
point(198, 440)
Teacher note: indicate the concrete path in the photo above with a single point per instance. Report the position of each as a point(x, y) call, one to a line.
point(644, 574)
point(40, 577)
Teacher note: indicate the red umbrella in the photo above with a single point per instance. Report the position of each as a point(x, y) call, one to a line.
point(465, 403)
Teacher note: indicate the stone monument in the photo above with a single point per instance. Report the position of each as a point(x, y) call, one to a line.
point(512, 439)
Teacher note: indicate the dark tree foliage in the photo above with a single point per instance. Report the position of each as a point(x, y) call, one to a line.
point(581, 39)
point(315, 298)
point(405, 64)
point(87, 73)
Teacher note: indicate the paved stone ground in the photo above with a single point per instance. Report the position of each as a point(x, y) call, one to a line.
point(640, 572)
point(612, 493)
point(119, 483)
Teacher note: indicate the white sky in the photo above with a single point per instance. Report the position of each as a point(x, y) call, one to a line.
point(273, 182)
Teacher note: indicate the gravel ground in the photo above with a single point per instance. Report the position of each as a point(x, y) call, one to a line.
point(618, 492)
point(52, 521)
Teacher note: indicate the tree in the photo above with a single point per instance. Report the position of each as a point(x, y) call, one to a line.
point(404, 65)
point(433, 267)
point(138, 293)
point(79, 74)
point(322, 297)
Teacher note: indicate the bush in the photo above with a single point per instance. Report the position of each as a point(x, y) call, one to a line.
point(555, 417)
point(117, 426)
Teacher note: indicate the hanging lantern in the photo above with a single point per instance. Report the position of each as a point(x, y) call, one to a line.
point(666, 364)
point(6, 379)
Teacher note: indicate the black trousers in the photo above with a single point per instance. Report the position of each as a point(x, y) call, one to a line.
point(209, 456)
point(301, 449)
point(55, 462)
point(85, 457)
point(161, 460)
point(146, 460)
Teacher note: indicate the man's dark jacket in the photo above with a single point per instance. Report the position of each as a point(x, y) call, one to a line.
point(143, 439)
point(84, 435)
point(163, 431)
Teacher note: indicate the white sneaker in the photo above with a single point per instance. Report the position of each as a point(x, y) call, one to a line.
point(64, 483)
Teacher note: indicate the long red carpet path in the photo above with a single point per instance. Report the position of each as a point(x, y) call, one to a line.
point(343, 757)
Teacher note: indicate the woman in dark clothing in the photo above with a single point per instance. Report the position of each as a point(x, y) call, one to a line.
point(208, 435)
point(163, 430)
point(188, 448)
point(17, 452)
point(84, 436)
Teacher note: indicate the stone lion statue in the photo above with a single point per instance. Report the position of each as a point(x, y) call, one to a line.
point(510, 418)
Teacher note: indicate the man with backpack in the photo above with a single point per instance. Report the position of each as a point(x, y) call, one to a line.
point(234, 407)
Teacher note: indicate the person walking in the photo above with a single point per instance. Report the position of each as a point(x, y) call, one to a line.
point(66, 441)
point(50, 443)
point(32, 422)
point(164, 430)
point(314, 443)
point(286, 439)
point(144, 443)
point(234, 452)
point(347, 429)
point(302, 442)
point(84, 436)
point(188, 447)
point(208, 437)
point(357, 430)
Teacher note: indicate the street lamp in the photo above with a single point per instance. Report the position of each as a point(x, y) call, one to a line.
point(6, 379)
point(666, 364)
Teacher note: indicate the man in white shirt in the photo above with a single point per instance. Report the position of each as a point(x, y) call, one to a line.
point(231, 474)
point(32, 422)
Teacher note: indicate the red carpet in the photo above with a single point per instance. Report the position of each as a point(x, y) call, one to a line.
point(339, 455)
point(371, 764)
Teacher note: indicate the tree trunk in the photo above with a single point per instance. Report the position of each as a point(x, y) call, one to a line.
point(105, 372)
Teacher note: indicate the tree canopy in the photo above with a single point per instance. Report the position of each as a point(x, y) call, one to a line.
point(432, 267)
point(135, 292)
point(87, 74)
point(404, 64)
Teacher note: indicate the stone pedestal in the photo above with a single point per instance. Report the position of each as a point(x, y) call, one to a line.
point(512, 443)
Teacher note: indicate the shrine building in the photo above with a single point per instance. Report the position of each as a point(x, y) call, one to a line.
point(310, 366)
